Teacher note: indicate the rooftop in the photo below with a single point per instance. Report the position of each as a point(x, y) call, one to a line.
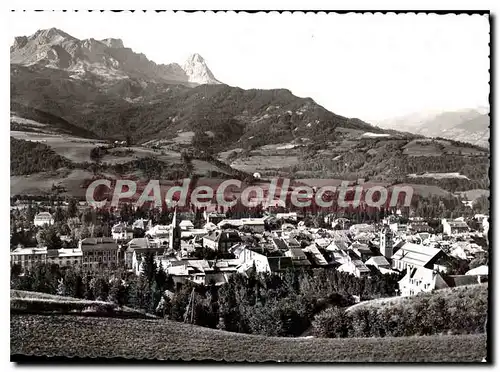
point(416, 254)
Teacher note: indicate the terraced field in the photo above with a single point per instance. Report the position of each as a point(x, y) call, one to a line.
point(68, 335)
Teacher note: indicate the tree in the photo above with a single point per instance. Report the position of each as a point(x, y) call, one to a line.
point(100, 288)
point(148, 268)
point(128, 140)
point(30, 214)
point(117, 292)
point(49, 237)
point(333, 322)
point(58, 215)
point(482, 205)
point(81, 232)
point(72, 208)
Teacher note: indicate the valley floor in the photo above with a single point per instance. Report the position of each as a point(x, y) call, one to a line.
point(67, 335)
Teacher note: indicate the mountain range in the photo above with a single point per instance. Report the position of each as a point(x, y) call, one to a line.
point(468, 125)
point(107, 59)
point(109, 90)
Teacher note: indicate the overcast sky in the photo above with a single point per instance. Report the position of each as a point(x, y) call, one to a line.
point(367, 66)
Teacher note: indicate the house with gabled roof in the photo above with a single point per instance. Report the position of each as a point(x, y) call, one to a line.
point(315, 256)
point(412, 255)
point(378, 262)
point(421, 279)
point(453, 227)
point(122, 232)
point(355, 267)
point(221, 240)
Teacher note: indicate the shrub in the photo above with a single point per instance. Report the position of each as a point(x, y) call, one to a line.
point(333, 322)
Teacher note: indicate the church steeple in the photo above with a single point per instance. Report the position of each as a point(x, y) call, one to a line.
point(175, 233)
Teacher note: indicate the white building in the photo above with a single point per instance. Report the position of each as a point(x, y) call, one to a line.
point(452, 227)
point(159, 231)
point(186, 225)
point(121, 231)
point(248, 258)
point(29, 257)
point(419, 280)
point(292, 216)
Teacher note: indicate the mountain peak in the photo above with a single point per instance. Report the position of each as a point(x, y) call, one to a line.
point(197, 70)
point(52, 34)
point(113, 43)
point(107, 58)
point(195, 58)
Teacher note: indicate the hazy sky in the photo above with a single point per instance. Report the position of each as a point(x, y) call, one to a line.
point(367, 66)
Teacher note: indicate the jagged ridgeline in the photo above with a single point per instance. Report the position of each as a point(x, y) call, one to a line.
point(106, 88)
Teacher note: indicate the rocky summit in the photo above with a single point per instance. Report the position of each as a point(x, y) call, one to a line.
point(107, 59)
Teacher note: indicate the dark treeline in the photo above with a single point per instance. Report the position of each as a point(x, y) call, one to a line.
point(452, 184)
point(28, 157)
point(266, 304)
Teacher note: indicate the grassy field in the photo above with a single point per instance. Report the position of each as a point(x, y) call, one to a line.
point(261, 163)
point(41, 183)
point(438, 176)
point(25, 302)
point(433, 147)
point(75, 149)
point(67, 335)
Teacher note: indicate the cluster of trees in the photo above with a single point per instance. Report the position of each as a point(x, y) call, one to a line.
point(437, 207)
point(97, 153)
point(152, 168)
point(452, 184)
point(28, 157)
point(143, 292)
point(460, 311)
point(68, 221)
point(285, 305)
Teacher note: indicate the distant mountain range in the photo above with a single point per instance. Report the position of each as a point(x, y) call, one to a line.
point(470, 125)
point(105, 88)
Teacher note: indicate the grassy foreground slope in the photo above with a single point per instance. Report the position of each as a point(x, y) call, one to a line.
point(27, 302)
point(67, 335)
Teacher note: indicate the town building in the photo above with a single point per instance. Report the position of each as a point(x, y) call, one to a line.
point(250, 258)
point(43, 219)
point(386, 242)
point(421, 279)
point(354, 267)
point(138, 248)
point(65, 257)
point(415, 255)
point(453, 227)
point(122, 232)
point(380, 262)
point(28, 257)
point(221, 240)
point(214, 217)
point(99, 252)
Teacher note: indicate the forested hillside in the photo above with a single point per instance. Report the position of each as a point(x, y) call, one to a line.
point(31, 157)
